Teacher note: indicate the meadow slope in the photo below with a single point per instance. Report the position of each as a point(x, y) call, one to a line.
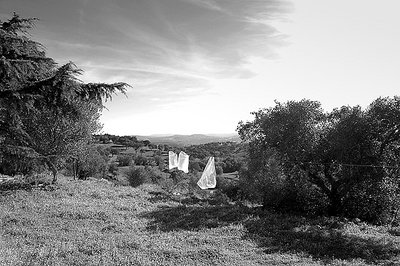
point(94, 222)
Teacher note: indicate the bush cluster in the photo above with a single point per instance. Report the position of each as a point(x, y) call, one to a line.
point(138, 175)
point(91, 163)
point(124, 160)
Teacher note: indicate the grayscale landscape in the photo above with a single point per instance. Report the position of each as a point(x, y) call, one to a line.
point(199, 132)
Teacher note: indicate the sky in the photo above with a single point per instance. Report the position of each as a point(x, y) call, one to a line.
point(201, 66)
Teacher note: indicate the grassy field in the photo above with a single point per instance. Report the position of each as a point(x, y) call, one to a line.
point(95, 222)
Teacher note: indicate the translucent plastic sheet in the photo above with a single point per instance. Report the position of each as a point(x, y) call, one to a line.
point(173, 160)
point(183, 162)
point(209, 177)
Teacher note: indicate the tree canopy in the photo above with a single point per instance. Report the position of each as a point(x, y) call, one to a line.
point(347, 155)
point(36, 92)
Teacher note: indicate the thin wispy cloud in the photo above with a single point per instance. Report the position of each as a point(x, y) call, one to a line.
point(204, 48)
point(208, 4)
point(172, 52)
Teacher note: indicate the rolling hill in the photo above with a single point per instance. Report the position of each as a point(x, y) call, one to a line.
point(194, 139)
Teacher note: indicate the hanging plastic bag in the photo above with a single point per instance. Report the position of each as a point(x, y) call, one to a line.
point(183, 162)
point(173, 160)
point(209, 177)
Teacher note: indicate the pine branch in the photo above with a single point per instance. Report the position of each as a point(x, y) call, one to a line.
point(17, 24)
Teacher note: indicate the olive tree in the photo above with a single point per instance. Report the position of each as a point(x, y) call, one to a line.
point(346, 155)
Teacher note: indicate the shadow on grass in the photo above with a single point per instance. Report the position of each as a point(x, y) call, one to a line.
point(276, 233)
point(9, 183)
point(195, 217)
point(322, 240)
point(159, 196)
point(14, 185)
point(189, 199)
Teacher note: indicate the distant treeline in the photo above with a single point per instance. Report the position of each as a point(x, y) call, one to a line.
point(128, 141)
point(229, 156)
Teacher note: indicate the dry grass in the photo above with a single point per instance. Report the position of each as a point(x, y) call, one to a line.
point(94, 222)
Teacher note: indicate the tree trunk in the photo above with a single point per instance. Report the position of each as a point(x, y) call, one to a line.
point(75, 168)
point(54, 176)
point(53, 169)
point(335, 205)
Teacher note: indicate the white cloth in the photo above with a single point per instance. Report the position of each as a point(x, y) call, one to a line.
point(183, 162)
point(173, 160)
point(209, 177)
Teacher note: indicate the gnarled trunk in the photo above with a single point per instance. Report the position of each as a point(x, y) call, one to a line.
point(53, 169)
point(335, 202)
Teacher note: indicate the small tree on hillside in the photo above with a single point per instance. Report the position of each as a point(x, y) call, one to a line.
point(57, 138)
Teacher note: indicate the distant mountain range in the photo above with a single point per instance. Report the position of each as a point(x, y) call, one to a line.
point(186, 140)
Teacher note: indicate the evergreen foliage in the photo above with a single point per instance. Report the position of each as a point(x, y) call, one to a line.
point(38, 97)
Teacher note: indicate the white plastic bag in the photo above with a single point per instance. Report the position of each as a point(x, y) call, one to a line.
point(183, 162)
point(173, 160)
point(209, 177)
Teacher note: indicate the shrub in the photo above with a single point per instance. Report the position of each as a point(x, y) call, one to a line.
point(267, 184)
point(113, 169)
point(219, 170)
point(114, 151)
point(194, 166)
point(141, 160)
point(12, 164)
point(229, 187)
point(166, 183)
point(43, 178)
point(90, 163)
point(218, 198)
point(159, 161)
point(124, 160)
point(137, 176)
point(178, 176)
point(231, 164)
point(155, 174)
point(373, 201)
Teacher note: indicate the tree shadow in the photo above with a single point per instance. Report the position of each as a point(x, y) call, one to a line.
point(187, 198)
point(277, 233)
point(194, 217)
point(323, 240)
point(11, 185)
point(159, 196)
